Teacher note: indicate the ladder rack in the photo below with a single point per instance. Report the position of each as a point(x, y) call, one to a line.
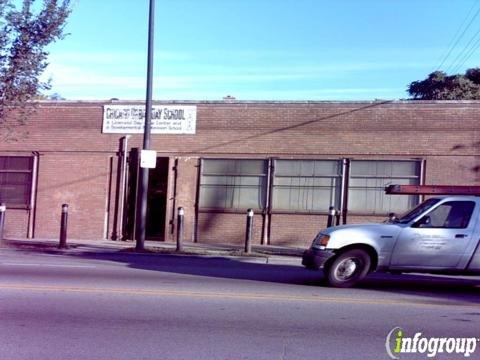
point(432, 190)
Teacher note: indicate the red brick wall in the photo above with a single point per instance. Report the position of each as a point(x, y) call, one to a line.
point(186, 191)
point(227, 228)
point(75, 165)
point(16, 223)
point(79, 180)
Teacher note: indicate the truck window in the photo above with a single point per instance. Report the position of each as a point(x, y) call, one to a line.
point(417, 211)
point(451, 215)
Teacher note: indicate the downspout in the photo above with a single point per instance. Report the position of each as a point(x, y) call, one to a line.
point(197, 201)
point(33, 196)
point(173, 198)
point(123, 187)
point(344, 195)
point(267, 211)
point(423, 176)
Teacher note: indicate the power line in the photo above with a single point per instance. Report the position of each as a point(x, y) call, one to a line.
point(469, 54)
point(461, 54)
point(456, 39)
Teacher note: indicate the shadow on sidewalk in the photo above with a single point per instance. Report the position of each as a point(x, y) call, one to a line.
point(439, 289)
point(245, 268)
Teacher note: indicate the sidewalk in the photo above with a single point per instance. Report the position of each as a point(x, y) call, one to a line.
point(267, 254)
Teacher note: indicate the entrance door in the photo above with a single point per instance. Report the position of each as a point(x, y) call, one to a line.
point(157, 200)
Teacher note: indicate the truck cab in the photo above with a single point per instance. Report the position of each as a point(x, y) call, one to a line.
point(441, 235)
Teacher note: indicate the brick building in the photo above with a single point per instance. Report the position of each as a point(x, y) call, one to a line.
point(289, 161)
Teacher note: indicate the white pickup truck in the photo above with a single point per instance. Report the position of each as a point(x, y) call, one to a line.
point(441, 235)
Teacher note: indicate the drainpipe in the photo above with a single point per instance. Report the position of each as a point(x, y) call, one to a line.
point(123, 186)
point(33, 195)
point(345, 184)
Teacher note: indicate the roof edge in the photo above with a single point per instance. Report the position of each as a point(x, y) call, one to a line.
point(266, 102)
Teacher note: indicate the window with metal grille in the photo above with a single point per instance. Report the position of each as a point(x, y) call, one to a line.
point(368, 179)
point(306, 185)
point(235, 184)
point(16, 180)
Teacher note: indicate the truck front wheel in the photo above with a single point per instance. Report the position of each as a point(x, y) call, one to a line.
point(348, 268)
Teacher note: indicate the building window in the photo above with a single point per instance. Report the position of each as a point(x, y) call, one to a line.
point(234, 184)
point(368, 179)
point(306, 185)
point(16, 180)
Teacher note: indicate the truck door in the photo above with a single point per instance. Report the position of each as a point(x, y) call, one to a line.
point(438, 239)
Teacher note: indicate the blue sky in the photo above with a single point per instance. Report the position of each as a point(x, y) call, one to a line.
point(260, 49)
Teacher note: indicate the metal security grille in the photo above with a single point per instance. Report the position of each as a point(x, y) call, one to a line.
point(16, 180)
point(233, 184)
point(368, 179)
point(306, 185)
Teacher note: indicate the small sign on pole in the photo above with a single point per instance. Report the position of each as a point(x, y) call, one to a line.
point(148, 159)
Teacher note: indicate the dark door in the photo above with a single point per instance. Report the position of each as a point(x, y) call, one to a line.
point(157, 200)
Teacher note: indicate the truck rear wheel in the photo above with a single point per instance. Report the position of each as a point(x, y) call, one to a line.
point(348, 268)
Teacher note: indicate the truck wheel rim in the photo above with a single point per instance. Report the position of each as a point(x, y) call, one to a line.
point(346, 269)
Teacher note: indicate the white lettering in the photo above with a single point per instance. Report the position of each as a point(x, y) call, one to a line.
point(471, 346)
point(460, 348)
point(450, 346)
point(433, 347)
point(443, 341)
point(406, 345)
point(415, 341)
point(422, 345)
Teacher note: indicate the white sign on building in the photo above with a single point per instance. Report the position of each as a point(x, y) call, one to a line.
point(148, 159)
point(166, 119)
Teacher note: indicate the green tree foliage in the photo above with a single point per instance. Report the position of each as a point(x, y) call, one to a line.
point(25, 32)
point(439, 86)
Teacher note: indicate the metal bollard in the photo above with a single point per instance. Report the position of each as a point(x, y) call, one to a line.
point(63, 227)
point(331, 216)
point(249, 232)
point(180, 228)
point(3, 209)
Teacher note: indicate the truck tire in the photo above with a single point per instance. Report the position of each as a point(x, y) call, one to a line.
point(348, 268)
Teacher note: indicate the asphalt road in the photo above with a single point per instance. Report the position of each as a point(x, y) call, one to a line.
point(114, 305)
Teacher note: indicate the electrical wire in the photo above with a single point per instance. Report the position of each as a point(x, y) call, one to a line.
point(456, 39)
point(468, 54)
point(461, 54)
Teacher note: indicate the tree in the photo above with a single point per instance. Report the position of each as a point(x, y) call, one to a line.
point(439, 86)
point(24, 35)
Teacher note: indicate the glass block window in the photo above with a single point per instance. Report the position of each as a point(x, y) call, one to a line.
point(306, 185)
point(368, 179)
point(236, 184)
point(16, 180)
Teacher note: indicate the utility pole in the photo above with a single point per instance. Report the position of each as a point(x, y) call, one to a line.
point(143, 183)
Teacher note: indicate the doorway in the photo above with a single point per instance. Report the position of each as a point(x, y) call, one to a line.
point(157, 200)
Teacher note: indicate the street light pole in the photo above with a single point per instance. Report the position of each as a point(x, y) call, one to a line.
point(143, 183)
